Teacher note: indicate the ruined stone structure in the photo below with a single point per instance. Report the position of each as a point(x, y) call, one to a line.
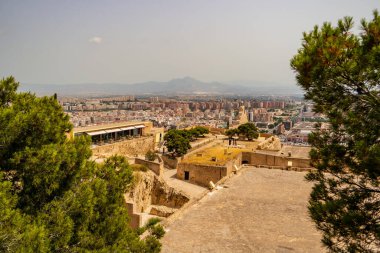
point(269, 153)
point(202, 174)
point(271, 143)
point(149, 196)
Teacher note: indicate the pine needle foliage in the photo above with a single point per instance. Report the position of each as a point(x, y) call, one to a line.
point(340, 73)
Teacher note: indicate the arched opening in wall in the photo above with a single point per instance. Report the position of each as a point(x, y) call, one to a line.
point(244, 162)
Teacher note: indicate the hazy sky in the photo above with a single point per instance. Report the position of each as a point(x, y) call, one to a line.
point(73, 41)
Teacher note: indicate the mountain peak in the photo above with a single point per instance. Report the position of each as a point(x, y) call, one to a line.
point(184, 85)
point(185, 79)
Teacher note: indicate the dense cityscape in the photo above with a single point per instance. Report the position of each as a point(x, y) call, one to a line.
point(291, 119)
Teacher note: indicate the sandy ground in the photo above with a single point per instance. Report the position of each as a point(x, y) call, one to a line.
point(261, 210)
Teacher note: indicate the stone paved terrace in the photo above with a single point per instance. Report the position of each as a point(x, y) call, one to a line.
point(262, 210)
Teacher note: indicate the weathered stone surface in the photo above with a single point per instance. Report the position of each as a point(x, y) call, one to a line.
point(138, 146)
point(271, 143)
point(260, 158)
point(156, 167)
point(170, 162)
point(149, 190)
point(162, 211)
point(202, 174)
point(164, 195)
point(140, 194)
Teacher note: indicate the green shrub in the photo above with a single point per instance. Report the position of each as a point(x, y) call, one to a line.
point(150, 156)
point(139, 167)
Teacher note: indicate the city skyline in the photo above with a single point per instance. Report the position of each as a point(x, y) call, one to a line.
point(44, 42)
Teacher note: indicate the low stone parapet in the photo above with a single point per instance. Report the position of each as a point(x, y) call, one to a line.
point(170, 162)
point(286, 168)
point(274, 160)
point(156, 167)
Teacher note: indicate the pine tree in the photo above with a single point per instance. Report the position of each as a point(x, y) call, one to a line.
point(248, 130)
point(339, 72)
point(52, 197)
point(178, 141)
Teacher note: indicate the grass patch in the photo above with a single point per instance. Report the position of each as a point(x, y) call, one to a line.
point(222, 155)
point(139, 167)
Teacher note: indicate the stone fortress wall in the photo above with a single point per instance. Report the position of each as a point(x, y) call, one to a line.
point(270, 153)
point(133, 147)
point(202, 174)
point(156, 167)
point(274, 160)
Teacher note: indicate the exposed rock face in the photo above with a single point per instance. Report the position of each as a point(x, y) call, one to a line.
point(167, 196)
point(162, 211)
point(140, 195)
point(151, 190)
point(271, 143)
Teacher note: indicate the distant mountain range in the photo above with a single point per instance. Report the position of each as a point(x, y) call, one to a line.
point(180, 86)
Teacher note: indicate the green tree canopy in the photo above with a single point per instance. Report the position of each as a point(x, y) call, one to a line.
point(231, 132)
point(52, 197)
point(199, 131)
point(339, 72)
point(150, 155)
point(178, 141)
point(248, 130)
point(8, 87)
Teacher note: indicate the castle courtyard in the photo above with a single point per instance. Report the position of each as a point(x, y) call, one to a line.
point(257, 210)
